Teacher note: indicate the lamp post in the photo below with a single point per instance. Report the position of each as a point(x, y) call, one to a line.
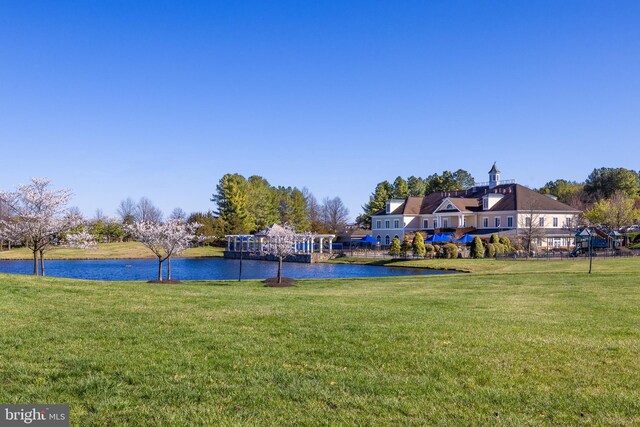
point(590, 250)
point(240, 271)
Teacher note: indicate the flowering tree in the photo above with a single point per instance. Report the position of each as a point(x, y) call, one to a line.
point(39, 217)
point(81, 240)
point(280, 243)
point(164, 239)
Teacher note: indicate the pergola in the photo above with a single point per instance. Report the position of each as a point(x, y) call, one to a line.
point(255, 243)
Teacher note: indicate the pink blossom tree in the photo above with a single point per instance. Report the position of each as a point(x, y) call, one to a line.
point(281, 241)
point(40, 217)
point(164, 239)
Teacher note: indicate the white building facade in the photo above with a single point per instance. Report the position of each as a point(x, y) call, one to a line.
point(495, 207)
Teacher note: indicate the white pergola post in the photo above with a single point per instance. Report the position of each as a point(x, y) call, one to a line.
point(321, 239)
point(330, 245)
point(228, 244)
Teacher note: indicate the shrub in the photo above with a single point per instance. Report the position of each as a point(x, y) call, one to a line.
point(418, 245)
point(494, 239)
point(477, 251)
point(500, 248)
point(394, 248)
point(429, 250)
point(450, 251)
point(507, 243)
point(490, 252)
point(405, 247)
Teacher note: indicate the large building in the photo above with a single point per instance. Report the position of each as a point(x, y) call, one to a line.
point(497, 206)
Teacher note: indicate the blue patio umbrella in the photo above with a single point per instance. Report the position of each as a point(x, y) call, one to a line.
point(368, 239)
point(438, 238)
point(465, 239)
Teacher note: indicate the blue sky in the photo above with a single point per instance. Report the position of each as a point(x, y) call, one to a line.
point(160, 99)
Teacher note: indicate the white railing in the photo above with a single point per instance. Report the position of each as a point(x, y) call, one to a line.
point(500, 182)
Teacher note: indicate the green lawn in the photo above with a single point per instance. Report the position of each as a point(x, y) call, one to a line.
point(536, 345)
point(123, 250)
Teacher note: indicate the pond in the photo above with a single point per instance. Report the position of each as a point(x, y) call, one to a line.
point(204, 269)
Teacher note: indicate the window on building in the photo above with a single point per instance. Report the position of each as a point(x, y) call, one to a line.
point(497, 222)
point(396, 223)
point(464, 222)
point(485, 203)
point(378, 224)
point(527, 221)
point(541, 221)
point(435, 223)
point(485, 222)
point(388, 207)
point(386, 223)
point(445, 223)
point(378, 238)
point(510, 221)
point(555, 221)
point(387, 240)
point(425, 223)
point(567, 222)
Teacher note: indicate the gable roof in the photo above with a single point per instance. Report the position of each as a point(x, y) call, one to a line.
point(514, 197)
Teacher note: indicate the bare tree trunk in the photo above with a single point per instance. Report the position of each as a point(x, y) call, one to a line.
point(42, 263)
point(169, 269)
point(159, 270)
point(279, 270)
point(35, 262)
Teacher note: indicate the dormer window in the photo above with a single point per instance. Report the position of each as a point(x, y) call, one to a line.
point(485, 203)
point(388, 207)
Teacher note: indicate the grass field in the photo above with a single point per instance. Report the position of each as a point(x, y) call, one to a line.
point(515, 343)
point(124, 250)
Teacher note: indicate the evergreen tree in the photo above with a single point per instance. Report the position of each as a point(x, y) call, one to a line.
point(293, 208)
point(494, 239)
point(232, 198)
point(418, 245)
point(377, 201)
point(394, 248)
point(477, 251)
point(400, 189)
point(605, 182)
point(262, 203)
point(417, 186)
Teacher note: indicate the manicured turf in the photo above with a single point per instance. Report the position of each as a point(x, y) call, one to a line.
point(530, 346)
point(124, 250)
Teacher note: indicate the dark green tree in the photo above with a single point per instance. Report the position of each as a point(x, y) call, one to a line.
point(400, 189)
point(449, 181)
point(417, 186)
point(377, 201)
point(292, 207)
point(605, 182)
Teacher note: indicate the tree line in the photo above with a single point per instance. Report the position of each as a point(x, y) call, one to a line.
point(608, 196)
point(246, 205)
point(402, 188)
